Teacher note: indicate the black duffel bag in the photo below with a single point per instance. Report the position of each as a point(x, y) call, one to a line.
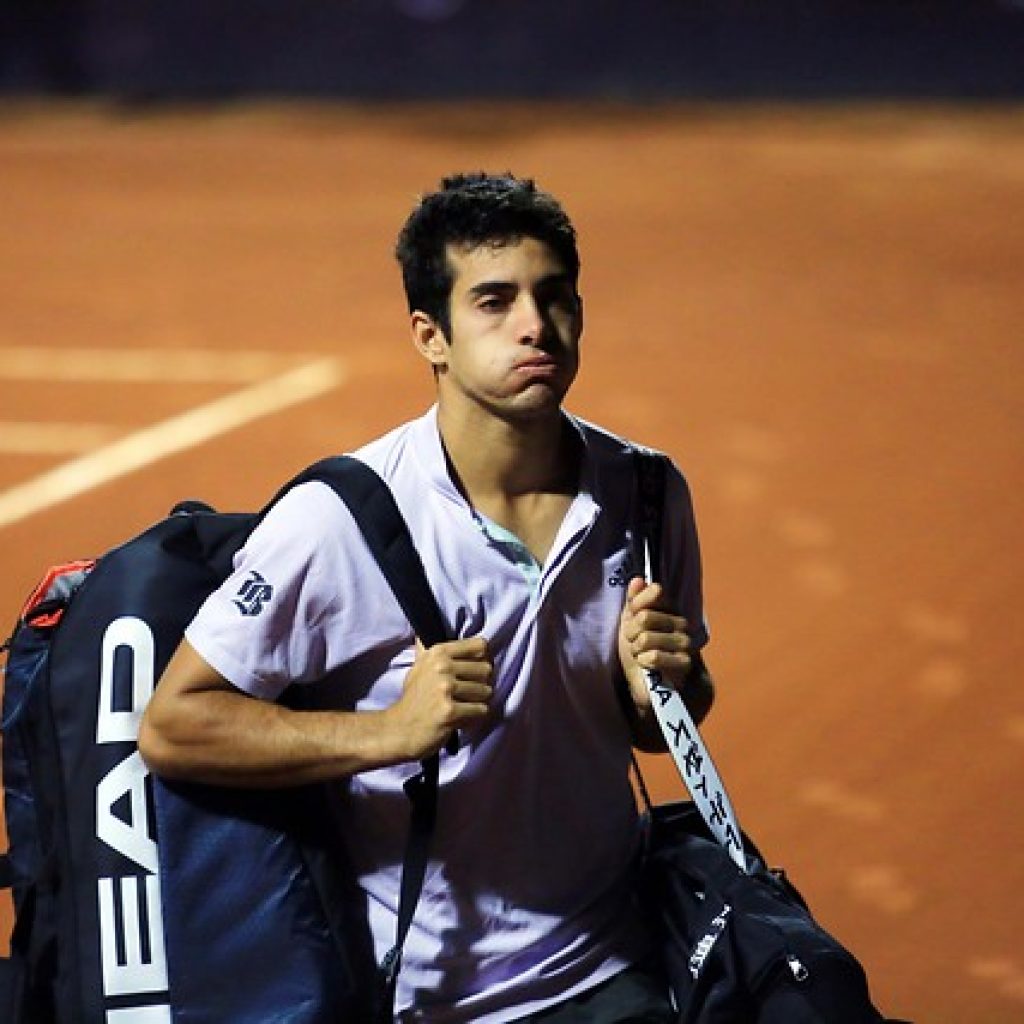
point(738, 942)
point(741, 948)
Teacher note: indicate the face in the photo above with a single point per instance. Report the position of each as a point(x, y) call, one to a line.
point(516, 321)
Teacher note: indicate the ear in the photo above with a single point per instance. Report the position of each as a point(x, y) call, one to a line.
point(429, 339)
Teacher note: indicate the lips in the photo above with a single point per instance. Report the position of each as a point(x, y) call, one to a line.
point(537, 364)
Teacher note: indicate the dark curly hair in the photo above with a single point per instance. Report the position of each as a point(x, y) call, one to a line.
point(470, 210)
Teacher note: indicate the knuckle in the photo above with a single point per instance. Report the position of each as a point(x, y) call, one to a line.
point(434, 657)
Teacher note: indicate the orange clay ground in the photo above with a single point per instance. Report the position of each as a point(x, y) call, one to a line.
point(819, 312)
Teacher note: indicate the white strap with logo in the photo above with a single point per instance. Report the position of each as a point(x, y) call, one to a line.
point(691, 756)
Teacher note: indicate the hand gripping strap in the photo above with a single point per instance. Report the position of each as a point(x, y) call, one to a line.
point(684, 741)
point(378, 517)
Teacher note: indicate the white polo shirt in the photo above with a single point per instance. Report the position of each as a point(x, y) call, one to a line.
point(526, 899)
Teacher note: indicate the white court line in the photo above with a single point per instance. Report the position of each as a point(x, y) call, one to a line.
point(51, 437)
point(120, 364)
point(144, 447)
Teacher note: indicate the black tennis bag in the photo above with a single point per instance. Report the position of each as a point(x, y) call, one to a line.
point(738, 947)
point(140, 902)
point(742, 948)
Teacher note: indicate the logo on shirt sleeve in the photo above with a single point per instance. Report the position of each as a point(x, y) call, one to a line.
point(253, 594)
point(624, 573)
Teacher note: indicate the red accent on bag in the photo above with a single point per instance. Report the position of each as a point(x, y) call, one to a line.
point(51, 616)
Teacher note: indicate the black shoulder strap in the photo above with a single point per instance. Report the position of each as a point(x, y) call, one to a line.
point(650, 495)
point(378, 517)
point(649, 467)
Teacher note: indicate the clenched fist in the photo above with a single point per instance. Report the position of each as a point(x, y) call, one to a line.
point(651, 637)
point(447, 688)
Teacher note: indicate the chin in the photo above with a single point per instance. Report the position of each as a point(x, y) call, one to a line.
point(538, 408)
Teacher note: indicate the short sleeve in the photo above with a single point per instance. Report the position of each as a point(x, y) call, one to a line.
point(263, 628)
point(681, 556)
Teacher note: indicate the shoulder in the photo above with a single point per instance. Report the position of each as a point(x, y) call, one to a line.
point(410, 442)
point(601, 443)
point(613, 457)
point(299, 522)
point(309, 518)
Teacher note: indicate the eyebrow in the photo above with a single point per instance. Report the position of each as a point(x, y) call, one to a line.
point(485, 287)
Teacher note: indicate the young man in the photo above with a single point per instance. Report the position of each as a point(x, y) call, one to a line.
point(524, 519)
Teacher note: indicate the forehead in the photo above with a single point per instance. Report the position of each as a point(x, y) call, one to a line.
point(517, 261)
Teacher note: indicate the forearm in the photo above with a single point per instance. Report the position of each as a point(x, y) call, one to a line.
point(201, 728)
point(224, 739)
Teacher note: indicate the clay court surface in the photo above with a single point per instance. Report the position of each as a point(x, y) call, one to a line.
point(819, 312)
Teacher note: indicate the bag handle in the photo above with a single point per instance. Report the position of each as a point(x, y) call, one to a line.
point(684, 741)
point(373, 507)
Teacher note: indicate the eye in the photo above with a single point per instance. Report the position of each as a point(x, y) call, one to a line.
point(562, 300)
point(491, 303)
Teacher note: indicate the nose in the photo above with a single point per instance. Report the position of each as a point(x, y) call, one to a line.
point(530, 325)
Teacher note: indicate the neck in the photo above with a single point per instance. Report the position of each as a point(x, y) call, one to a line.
point(505, 459)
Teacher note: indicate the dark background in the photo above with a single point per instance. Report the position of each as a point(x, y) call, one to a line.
point(577, 49)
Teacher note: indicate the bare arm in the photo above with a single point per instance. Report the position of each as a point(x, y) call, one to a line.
point(651, 637)
point(199, 726)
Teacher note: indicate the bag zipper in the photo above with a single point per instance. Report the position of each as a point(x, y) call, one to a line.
point(797, 968)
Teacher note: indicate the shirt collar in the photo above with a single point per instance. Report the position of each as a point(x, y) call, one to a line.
point(433, 461)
